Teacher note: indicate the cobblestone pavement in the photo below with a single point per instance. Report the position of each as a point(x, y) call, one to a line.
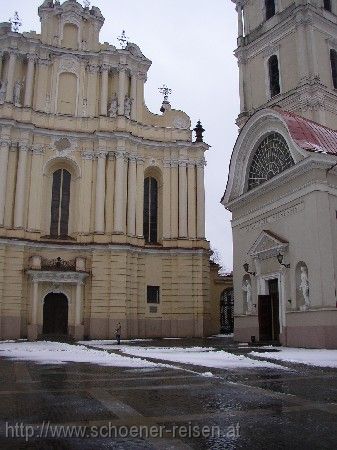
point(247, 408)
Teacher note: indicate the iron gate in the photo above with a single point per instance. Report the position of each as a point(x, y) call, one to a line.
point(227, 311)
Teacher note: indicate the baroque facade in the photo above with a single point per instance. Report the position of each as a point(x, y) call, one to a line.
point(282, 181)
point(102, 214)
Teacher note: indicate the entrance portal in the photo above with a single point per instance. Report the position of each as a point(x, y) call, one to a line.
point(55, 314)
point(269, 322)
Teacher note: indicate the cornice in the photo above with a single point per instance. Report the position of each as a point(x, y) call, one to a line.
point(313, 161)
point(106, 248)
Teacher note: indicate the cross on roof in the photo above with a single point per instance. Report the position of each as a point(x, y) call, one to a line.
point(165, 91)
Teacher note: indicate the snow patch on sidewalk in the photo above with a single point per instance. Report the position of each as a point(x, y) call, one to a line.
point(199, 356)
point(312, 357)
point(60, 353)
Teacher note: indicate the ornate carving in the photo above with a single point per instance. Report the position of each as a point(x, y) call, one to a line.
point(58, 264)
point(62, 144)
point(92, 68)
point(88, 155)
point(69, 63)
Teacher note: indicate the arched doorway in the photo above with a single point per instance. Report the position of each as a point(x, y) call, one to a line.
point(55, 314)
point(227, 311)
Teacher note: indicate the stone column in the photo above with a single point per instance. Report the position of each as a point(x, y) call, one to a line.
point(121, 89)
point(240, 20)
point(29, 81)
point(104, 89)
point(174, 200)
point(119, 218)
point(1, 56)
point(100, 193)
point(192, 196)
point(20, 191)
point(302, 54)
point(141, 78)
point(4, 151)
point(35, 301)
point(167, 200)
point(85, 195)
point(313, 49)
point(78, 304)
point(35, 191)
point(200, 201)
point(132, 181)
point(140, 198)
point(92, 72)
point(42, 81)
point(134, 97)
point(241, 64)
point(10, 77)
point(182, 200)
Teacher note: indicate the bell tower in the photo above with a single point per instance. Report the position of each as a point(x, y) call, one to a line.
point(287, 56)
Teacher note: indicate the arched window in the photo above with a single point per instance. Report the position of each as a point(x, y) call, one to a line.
point(271, 158)
point(150, 210)
point(60, 203)
point(333, 59)
point(274, 76)
point(270, 8)
point(327, 5)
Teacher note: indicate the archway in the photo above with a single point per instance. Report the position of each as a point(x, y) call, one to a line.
point(55, 314)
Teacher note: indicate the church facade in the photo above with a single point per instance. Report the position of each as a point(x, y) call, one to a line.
point(102, 217)
point(282, 184)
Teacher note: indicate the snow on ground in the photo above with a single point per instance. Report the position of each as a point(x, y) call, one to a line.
point(60, 353)
point(199, 356)
point(312, 357)
point(111, 342)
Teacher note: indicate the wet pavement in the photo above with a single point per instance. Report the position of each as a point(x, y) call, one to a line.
point(171, 407)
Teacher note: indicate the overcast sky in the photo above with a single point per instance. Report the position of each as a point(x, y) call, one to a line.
point(190, 44)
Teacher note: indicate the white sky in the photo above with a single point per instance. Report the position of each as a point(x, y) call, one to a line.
point(190, 44)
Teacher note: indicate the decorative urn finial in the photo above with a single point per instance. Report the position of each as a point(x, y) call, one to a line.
point(199, 132)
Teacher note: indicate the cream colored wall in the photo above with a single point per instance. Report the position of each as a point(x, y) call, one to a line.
point(100, 154)
point(310, 233)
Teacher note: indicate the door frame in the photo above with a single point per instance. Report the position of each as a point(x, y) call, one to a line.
point(263, 289)
point(58, 292)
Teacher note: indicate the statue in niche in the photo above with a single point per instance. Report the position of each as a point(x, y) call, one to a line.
point(247, 288)
point(113, 106)
point(3, 90)
point(304, 287)
point(127, 106)
point(17, 93)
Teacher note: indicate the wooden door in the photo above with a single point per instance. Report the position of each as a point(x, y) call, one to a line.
point(265, 318)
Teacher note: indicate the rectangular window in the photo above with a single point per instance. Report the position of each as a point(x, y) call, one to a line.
point(153, 294)
point(327, 5)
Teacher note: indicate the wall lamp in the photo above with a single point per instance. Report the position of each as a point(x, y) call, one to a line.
point(246, 268)
point(280, 260)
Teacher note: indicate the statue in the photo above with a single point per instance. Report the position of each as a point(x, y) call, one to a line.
point(113, 106)
point(17, 93)
point(3, 90)
point(127, 106)
point(248, 289)
point(304, 287)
